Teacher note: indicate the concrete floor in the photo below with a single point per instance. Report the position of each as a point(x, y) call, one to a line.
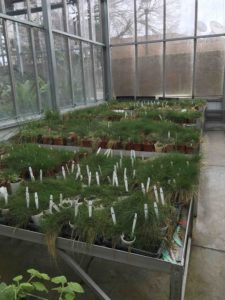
point(207, 264)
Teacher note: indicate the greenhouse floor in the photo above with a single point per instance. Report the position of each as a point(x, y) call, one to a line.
point(207, 263)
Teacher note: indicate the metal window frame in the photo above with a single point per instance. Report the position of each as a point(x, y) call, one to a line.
point(92, 49)
point(34, 56)
point(9, 57)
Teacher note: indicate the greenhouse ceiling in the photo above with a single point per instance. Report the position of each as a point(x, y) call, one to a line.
point(60, 54)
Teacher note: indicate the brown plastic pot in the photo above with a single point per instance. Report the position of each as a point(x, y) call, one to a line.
point(148, 147)
point(57, 140)
point(86, 143)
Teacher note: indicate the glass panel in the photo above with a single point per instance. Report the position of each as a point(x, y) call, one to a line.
point(210, 66)
point(62, 71)
point(84, 19)
point(23, 67)
point(211, 17)
point(73, 17)
point(123, 68)
point(17, 9)
point(77, 71)
point(179, 68)
point(42, 67)
point(36, 11)
point(180, 18)
point(88, 73)
point(96, 20)
point(121, 19)
point(57, 14)
point(98, 60)
point(149, 20)
point(150, 69)
point(6, 101)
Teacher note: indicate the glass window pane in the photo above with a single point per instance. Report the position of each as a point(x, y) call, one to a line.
point(75, 49)
point(121, 19)
point(149, 20)
point(17, 9)
point(23, 66)
point(42, 68)
point(98, 60)
point(36, 11)
point(180, 18)
point(62, 71)
point(123, 67)
point(6, 100)
point(57, 14)
point(211, 17)
point(179, 68)
point(73, 17)
point(150, 73)
point(88, 73)
point(210, 66)
point(84, 19)
point(96, 20)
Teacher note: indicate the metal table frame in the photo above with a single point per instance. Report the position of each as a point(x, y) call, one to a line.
point(178, 272)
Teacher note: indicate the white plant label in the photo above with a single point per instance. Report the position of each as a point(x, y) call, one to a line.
point(134, 173)
point(143, 188)
point(100, 170)
point(28, 199)
point(126, 185)
point(148, 184)
point(89, 179)
point(125, 173)
point(36, 200)
point(98, 151)
point(61, 198)
point(121, 162)
point(109, 179)
point(134, 224)
point(41, 175)
point(113, 215)
point(31, 174)
point(156, 210)
point(72, 167)
point(90, 208)
point(162, 196)
point(97, 178)
point(4, 194)
point(88, 170)
point(171, 163)
point(63, 173)
point(67, 169)
point(168, 135)
point(156, 194)
point(76, 207)
point(146, 211)
point(187, 162)
point(78, 171)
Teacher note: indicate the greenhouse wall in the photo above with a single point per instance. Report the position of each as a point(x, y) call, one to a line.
point(51, 55)
point(169, 48)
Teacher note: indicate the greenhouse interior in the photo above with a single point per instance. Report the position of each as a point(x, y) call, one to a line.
point(112, 149)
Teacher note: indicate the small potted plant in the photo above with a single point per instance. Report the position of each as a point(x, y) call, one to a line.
point(159, 147)
point(14, 181)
